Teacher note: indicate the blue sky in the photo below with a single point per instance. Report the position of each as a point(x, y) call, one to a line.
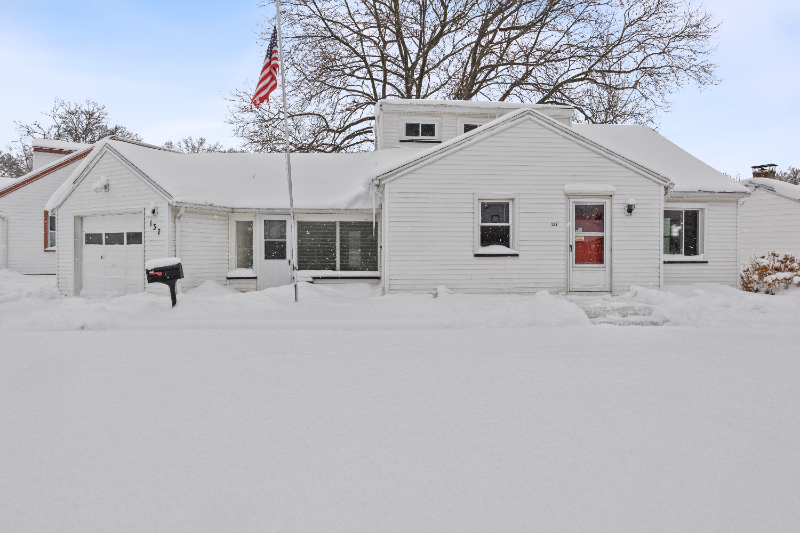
point(162, 69)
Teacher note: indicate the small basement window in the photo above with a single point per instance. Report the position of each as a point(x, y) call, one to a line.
point(683, 234)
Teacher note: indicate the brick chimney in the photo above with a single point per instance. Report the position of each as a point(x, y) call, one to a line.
point(764, 171)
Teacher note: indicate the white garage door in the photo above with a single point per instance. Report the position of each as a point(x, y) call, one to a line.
point(113, 260)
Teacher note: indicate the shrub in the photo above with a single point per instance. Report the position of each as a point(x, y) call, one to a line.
point(770, 272)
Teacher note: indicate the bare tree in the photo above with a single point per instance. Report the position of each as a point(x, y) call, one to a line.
point(614, 61)
point(201, 145)
point(790, 175)
point(74, 122)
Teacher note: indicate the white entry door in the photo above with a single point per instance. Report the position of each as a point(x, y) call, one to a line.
point(113, 255)
point(589, 255)
point(275, 251)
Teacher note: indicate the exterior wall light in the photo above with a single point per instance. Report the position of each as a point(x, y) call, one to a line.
point(631, 207)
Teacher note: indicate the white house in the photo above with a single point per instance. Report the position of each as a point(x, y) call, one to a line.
point(769, 219)
point(560, 192)
point(478, 196)
point(27, 232)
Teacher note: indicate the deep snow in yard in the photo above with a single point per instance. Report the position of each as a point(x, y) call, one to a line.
point(355, 412)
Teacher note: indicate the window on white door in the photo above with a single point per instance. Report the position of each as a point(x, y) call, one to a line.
point(274, 239)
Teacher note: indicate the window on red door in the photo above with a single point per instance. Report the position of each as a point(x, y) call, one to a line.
point(589, 234)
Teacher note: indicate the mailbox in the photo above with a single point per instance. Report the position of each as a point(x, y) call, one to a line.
point(167, 271)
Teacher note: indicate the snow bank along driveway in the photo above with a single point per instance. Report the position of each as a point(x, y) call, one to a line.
point(352, 412)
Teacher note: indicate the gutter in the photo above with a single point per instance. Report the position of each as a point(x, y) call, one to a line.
point(4, 217)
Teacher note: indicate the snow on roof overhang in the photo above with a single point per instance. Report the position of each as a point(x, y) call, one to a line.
point(500, 124)
point(30, 177)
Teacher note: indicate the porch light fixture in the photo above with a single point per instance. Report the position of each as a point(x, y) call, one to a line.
point(631, 206)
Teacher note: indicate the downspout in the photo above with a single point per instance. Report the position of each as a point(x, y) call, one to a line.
point(178, 232)
point(178, 239)
point(5, 239)
point(661, 241)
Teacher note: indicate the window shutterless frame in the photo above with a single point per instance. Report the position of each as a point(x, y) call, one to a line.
point(684, 230)
point(487, 205)
point(421, 129)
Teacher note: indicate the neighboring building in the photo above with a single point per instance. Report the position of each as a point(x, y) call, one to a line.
point(481, 197)
point(769, 219)
point(27, 232)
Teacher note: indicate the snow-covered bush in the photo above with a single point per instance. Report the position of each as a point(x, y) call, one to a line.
point(770, 272)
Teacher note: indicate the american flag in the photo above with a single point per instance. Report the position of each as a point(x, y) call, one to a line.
point(268, 79)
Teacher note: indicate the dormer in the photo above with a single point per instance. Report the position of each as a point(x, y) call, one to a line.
point(45, 151)
point(417, 124)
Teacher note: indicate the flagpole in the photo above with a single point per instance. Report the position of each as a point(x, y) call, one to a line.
point(286, 140)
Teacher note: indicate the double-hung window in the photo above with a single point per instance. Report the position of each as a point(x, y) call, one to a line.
point(337, 246)
point(683, 233)
point(494, 228)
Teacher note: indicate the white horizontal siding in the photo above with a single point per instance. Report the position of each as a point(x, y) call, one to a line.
point(719, 249)
point(25, 210)
point(127, 192)
point(204, 247)
point(768, 223)
point(41, 159)
point(431, 216)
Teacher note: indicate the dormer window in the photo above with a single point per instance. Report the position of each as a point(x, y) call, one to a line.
point(420, 130)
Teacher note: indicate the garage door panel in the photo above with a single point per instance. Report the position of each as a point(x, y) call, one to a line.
point(112, 267)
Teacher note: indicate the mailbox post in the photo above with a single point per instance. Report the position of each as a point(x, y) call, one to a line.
point(167, 271)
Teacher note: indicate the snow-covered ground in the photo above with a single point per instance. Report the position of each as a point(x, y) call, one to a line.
point(355, 412)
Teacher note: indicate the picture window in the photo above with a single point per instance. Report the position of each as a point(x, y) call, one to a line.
point(682, 232)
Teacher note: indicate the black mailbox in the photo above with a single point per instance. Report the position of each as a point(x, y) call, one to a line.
point(168, 274)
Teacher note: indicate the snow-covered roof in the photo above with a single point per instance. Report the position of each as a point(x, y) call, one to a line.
point(652, 150)
point(243, 181)
point(390, 170)
point(466, 104)
point(7, 183)
point(59, 145)
point(776, 186)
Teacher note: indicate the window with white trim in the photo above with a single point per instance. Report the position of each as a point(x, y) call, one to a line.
point(51, 231)
point(420, 130)
point(348, 246)
point(683, 232)
point(494, 225)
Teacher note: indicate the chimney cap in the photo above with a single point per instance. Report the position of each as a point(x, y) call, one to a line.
point(764, 166)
